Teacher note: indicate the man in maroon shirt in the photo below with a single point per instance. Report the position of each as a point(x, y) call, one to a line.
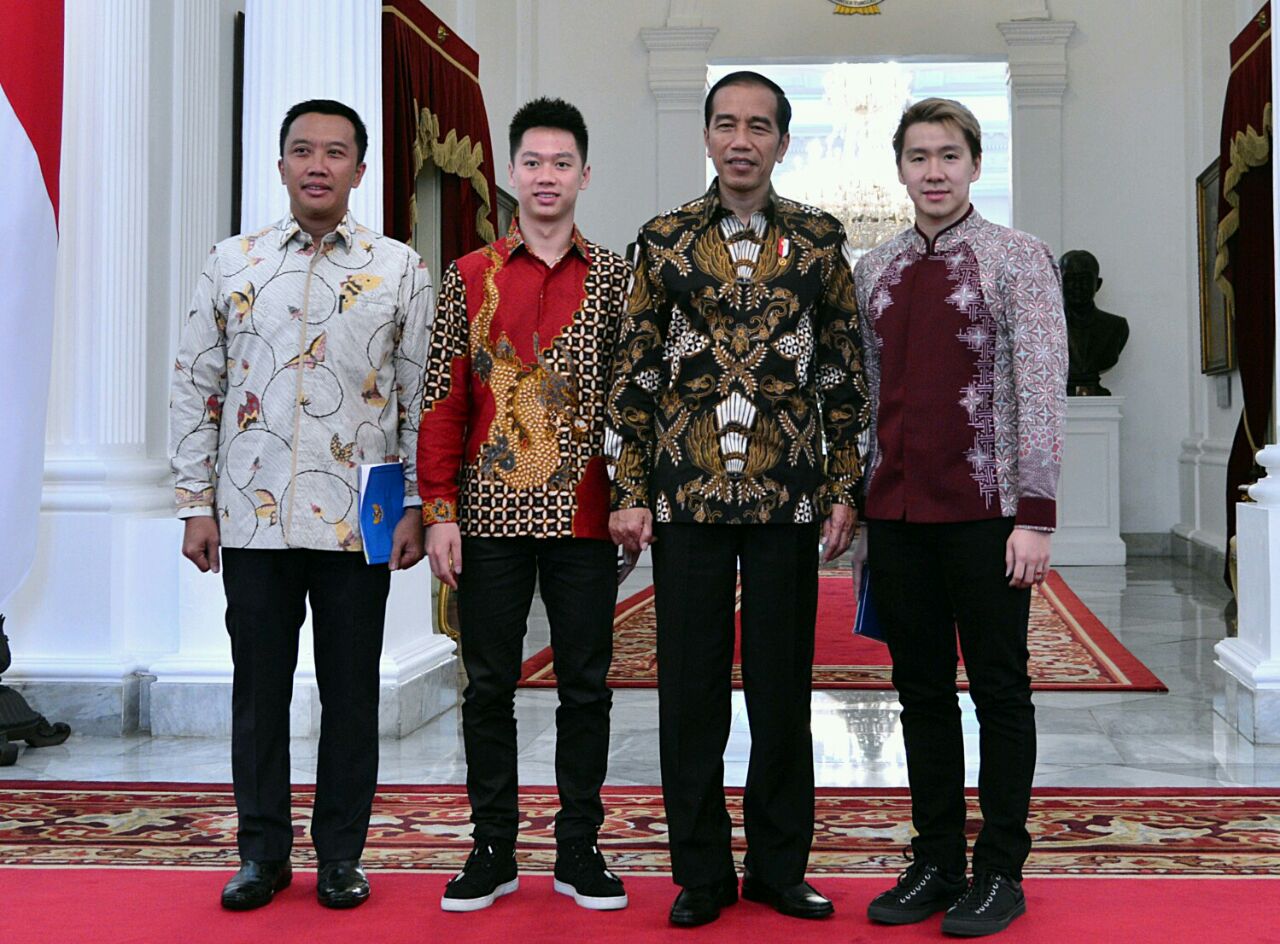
point(514, 485)
point(966, 356)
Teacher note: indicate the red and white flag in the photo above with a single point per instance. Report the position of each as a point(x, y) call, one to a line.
point(30, 147)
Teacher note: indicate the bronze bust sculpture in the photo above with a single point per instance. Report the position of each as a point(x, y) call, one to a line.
point(1095, 338)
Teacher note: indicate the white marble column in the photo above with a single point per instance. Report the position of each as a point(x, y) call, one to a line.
point(101, 588)
point(1251, 661)
point(335, 52)
point(1037, 79)
point(678, 79)
point(202, 82)
point(296, 50)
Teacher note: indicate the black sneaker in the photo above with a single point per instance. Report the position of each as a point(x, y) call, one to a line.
point(923, 889)
point(582, 874)
point(489, 874)
point(991, 902)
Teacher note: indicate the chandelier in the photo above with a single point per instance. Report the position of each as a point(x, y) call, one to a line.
point(850, 172)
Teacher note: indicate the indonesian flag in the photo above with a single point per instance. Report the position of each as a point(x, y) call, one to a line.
point(30, 143)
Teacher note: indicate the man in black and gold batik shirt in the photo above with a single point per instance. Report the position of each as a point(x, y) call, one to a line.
point(736, 400)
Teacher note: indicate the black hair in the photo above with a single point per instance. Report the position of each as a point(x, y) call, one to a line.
point(327, 106)
point(746, 77)
point(548, 113)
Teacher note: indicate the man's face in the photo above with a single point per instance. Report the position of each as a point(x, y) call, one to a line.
point(743, 140)
point(937, 168)
point(319, 167)
point(547, 174)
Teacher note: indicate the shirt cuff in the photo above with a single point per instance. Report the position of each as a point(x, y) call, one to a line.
point(195, 511)
point(439, 511)
point(1037, 514)
point(630, 486)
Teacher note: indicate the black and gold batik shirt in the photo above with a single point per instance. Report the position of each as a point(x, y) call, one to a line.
point(739, 354)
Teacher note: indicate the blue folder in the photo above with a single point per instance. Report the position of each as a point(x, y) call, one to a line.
point(866, 622)
point(381, 505)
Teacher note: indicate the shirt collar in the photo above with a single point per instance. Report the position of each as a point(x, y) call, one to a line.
point(714, 210)
point(515, 240)
point(950, 237)
point(290, 227)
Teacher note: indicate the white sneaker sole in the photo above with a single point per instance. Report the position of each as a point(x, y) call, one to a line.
point(484, 901)
point(586, 901)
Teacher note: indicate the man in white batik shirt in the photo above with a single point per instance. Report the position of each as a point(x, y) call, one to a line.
point(301, 358)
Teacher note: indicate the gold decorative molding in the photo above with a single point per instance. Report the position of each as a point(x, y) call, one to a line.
point(1249, 149)
point(453, 156)
point(850, 7)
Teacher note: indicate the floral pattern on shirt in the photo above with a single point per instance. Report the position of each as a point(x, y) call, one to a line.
point(296, 365)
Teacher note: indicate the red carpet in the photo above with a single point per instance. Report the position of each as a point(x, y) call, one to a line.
point(1070, 648)
point(116, 863)
point(124, 906)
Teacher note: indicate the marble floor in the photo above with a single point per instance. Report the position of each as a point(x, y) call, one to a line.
point(1168, 614)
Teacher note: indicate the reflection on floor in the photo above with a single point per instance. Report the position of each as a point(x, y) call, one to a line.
point(1166, 613)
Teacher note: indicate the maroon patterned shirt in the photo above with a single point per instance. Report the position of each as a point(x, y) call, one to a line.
point(965, 349)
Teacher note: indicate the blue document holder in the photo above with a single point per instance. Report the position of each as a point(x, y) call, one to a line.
point(381, 505)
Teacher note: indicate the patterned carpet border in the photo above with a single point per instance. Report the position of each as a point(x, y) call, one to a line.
point(1198, 832)
point(1071, 650)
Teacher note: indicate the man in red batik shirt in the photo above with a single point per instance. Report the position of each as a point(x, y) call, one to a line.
point(966, 360)
point(515, 486)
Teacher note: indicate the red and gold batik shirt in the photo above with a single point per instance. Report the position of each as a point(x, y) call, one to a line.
point(511, 436)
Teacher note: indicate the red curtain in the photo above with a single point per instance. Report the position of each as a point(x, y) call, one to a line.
point(433, 111)
point(1245, 267)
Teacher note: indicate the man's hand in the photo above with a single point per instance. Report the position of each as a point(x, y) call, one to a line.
point(1026, 557)
point(406, 540)
point(837, 531)
point(632, 528)
point(200, 543)
point(444, 551)
point(859, 561)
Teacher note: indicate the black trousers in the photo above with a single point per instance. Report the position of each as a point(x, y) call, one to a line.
point(578, 578)
point(694, 575)
point(266, 594)
point(930, 580)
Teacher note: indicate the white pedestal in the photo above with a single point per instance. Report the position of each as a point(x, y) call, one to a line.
point(1251, 661)
point(1089, 490)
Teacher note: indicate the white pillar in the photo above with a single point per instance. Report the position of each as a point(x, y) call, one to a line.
point(1251, 661)
point(103, 579)
point(1037, 79)
point(335, 51)
point(678, 79)
point(295, 50)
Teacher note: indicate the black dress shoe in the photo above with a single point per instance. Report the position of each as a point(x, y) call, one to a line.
point(342, 884)
point(796, 901)
point(701, 904)
point(255, 884)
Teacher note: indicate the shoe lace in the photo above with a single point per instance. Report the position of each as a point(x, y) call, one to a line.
point(584, 853)
point(981, 891)
point(913, 870)
point(482, 859)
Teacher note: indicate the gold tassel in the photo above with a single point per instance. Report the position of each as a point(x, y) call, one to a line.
point(843, 9)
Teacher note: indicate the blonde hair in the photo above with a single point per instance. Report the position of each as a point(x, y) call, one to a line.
point(941, 111)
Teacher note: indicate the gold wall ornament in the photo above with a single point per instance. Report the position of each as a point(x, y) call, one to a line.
point(849, 7)
point(442, 34)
